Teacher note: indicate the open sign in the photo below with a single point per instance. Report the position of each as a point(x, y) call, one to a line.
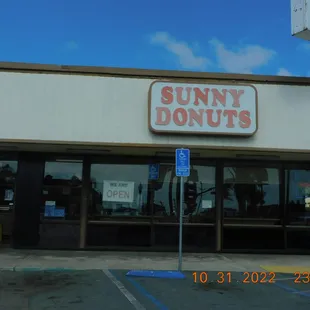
point(118, 191)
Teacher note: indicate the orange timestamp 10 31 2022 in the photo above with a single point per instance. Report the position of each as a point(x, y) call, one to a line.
point(226, 277)
point(249, 277)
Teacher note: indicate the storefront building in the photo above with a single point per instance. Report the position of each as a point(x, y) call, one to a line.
point(87, 159)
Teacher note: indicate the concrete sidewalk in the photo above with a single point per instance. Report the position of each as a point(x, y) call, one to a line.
point(19, 260)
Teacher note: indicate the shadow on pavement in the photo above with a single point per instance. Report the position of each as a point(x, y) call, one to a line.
point(93, 290)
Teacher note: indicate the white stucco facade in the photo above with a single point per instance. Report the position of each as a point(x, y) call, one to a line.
point(94, 109)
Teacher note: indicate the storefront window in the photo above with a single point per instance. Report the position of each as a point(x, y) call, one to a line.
point(60, 213)
point(199, 195)
point(251, 192)
point(62, 190)
point(298, 197)
point(8, 171)
point(118, 190)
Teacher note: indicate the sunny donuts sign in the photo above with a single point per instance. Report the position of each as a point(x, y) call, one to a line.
point(202, 108)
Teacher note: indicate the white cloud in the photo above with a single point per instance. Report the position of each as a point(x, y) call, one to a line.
point(185, 54)
point(284, 72)
point(71, 45)
point(243, 59)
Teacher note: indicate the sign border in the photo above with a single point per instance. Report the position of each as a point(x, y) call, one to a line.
point(205, 133)
point(189, 162)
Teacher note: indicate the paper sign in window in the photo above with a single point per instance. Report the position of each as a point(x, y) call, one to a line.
point(206, 204)
point(118, 191)
point(49, 209)
point(8, 195)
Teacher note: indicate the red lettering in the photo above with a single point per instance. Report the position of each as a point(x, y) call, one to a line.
point(194, 97)
point(180, 116)
point(210, 121)
point(195, 116)
point(200, 95)
point(167, 95)
point(245, 119)
point(230, 117)
point(160, 120)
point(236, 94)
point(179, 91)
point(217, 96)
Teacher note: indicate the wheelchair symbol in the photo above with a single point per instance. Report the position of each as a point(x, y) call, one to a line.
point(182, 156)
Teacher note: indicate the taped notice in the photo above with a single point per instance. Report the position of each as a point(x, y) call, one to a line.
point(118, 191)
point(49, 209)
point(8, 195)
point(207, 204)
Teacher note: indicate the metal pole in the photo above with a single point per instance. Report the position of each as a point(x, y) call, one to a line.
point(86, 188)
point(181, 223)
point(219, 206)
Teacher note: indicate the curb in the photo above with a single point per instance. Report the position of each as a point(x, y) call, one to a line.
point(286, 269)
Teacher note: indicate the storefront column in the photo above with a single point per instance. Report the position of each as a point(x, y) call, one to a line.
point(219, 207)
point(28, 199)
point(85, 194)
point(284, 197)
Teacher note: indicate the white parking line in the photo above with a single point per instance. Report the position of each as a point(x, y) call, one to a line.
point(137, 305)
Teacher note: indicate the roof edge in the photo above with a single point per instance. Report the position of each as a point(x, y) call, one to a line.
point(148, 73)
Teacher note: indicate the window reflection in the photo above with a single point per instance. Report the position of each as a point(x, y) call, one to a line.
point(118, 190)
point(8, 171)
point(298, 196)
point(251, 192)
point(199, 194)
point(62, 190)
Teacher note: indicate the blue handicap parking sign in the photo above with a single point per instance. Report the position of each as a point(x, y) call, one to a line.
point(182, 162)
point(154, 171)
point(59, 212)
point(49, 211)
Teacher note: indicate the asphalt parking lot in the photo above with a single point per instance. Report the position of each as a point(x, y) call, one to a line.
point(112, 289)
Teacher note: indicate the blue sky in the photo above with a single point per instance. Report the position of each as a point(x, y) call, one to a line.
point(238, 36)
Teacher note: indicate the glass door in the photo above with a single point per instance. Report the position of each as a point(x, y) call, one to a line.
point(61, 199)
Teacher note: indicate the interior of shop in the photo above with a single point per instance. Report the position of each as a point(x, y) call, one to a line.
point(232, 201)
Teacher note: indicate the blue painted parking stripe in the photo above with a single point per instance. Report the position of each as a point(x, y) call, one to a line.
point(145, 293)
point(292, 290)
